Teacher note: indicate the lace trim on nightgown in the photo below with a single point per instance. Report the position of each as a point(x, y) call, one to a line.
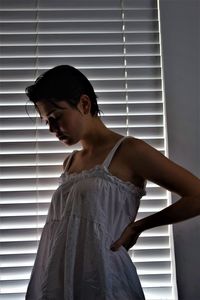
point(103, 172)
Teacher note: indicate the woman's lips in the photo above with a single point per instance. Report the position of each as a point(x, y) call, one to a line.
point(61, 137)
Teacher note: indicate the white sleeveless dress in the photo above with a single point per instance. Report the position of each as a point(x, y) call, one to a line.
point(88, 212)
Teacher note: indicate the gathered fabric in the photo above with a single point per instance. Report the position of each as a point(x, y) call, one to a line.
point(88, 212)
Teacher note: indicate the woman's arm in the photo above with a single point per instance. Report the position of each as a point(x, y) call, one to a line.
point(152, 165)
point(157, 168)
point(186, 207)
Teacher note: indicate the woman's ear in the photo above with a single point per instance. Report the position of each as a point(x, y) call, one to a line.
point(84, 104)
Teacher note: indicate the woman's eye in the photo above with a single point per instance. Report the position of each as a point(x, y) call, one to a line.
point(58, 117)
point(51, 119)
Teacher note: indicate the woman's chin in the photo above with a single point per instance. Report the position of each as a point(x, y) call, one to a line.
point(65, 141)
point(68, 141)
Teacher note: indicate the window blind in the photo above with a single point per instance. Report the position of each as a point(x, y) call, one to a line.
point(116, 44)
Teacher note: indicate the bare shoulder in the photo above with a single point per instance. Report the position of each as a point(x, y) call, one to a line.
point(132, 147)
point(133, 152)
point(138, 153)
point(152, 165)
point(134, 143)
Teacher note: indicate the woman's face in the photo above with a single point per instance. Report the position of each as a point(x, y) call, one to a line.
point(64, 121)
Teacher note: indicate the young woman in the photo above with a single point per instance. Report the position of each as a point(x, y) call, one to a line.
point(90, 226)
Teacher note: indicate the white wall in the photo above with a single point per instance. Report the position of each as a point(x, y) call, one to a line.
point(180, 28)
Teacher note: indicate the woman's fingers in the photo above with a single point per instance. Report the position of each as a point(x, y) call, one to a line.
point(127, 239)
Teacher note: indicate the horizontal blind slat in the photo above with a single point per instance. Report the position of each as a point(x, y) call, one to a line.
point(78, 39)
point(90, 26)
point(71, 15)
point(79, 51)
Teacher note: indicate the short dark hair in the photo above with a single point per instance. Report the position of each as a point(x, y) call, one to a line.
point(63, 82)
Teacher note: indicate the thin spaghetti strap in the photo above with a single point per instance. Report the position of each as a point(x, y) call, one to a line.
point(110, 155)
point(69, 160)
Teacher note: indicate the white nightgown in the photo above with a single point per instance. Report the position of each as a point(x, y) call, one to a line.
point(88, 212)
